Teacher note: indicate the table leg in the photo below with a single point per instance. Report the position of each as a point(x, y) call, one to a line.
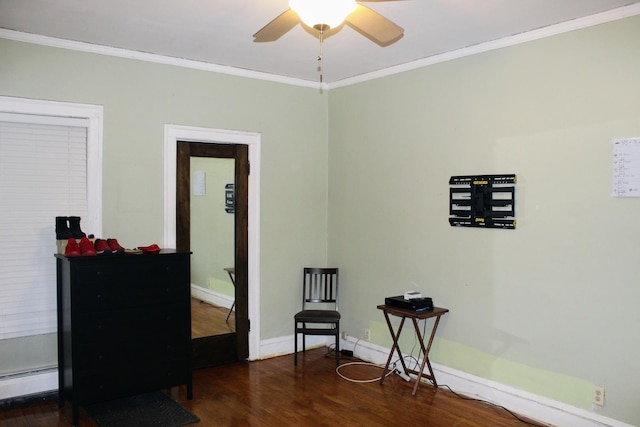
point(433, 334)
point(75, 414)
point(233, 281)
point(425, 358)
point(425, 352)
point(395, 346)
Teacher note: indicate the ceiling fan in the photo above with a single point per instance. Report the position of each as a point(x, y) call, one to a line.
point(325, 15)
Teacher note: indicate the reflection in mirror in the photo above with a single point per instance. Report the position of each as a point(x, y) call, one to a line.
point(212, 247)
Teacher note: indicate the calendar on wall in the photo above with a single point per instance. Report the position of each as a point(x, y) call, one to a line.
point(486, 201)
point(626, 167)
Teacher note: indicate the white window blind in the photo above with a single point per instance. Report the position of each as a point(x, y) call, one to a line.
point(43, 174)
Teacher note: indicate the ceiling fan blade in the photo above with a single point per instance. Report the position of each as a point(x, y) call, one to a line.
point(277, 28)
point(374, 26)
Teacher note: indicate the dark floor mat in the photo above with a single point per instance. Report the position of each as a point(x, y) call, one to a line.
point(145, 410)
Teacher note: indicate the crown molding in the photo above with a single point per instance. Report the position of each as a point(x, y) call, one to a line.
point(576, 24)
point(149, 57)
point(552, 30)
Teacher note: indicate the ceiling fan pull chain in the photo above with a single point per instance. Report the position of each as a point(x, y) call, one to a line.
point(321, 53)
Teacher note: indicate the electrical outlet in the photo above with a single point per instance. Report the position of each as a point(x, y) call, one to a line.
point(344, 335)
point(598, 395)
point(367, 334)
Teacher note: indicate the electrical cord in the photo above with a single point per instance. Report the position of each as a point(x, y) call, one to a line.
point(486, 402)
point(364, 364)
point(377, 378)
point(414, 360)
point(331, 349)
point(459, 396)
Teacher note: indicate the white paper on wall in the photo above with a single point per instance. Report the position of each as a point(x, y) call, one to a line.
point(199, 183)
point(626, 167)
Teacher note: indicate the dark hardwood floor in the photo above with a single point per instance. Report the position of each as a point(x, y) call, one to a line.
point(274, 392)
point(208, 319)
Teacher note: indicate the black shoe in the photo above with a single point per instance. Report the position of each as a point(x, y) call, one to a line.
point(74, 227)
point(62, 228)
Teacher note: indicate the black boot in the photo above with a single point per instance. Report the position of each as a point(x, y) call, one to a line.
point(74, 227)
point(62, 228)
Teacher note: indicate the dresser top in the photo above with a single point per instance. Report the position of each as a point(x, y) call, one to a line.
point(120, 256)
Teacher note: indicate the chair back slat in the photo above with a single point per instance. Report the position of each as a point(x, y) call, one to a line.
point(320, 286)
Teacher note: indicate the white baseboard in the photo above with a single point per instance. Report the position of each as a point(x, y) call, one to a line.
point(212, 297)
point(284, 345)
point(23, 385)
point(523, 403)
point(527, 404)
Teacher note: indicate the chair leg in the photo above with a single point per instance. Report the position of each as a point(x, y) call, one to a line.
point(295, 344)
point(338, 345)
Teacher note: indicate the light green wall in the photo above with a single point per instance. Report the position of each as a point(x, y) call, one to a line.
point(139, 98)
point(550, 307)
point(212, 228)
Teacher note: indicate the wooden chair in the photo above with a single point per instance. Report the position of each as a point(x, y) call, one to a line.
point(319, 315)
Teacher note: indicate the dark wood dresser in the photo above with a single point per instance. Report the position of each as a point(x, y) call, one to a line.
point(124, 326)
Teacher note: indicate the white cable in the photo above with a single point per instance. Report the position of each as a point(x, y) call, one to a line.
point(361, 363)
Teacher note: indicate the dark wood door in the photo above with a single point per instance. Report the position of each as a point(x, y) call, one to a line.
point(228, 347)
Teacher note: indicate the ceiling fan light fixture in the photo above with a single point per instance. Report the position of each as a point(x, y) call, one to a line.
point(323, 14)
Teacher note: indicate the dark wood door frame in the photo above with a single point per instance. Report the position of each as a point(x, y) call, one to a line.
point(232, 347)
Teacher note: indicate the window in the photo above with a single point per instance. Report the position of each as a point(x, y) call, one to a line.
point(50, 165)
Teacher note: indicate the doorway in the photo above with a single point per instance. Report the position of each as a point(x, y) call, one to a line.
point(219, 245)
point(175, 133)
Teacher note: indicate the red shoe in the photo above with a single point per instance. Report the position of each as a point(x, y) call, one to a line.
point(86, 247)
point(151, 249)
point(72, 248)
point(115, 246)
point(102, 248)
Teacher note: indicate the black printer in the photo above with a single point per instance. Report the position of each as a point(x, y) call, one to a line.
point(415, 304)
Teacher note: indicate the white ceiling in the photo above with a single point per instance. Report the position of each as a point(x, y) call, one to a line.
point(220, 31)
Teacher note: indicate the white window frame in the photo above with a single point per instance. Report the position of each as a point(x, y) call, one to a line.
point(94, 114)
point(41, 382)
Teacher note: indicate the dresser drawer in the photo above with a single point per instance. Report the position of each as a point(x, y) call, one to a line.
point(123, 284)
point(110, 359)
point(99, 385)
point(142, 324)
point(113, 338)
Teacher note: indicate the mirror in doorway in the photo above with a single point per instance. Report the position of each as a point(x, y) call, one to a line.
point(212, 247)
